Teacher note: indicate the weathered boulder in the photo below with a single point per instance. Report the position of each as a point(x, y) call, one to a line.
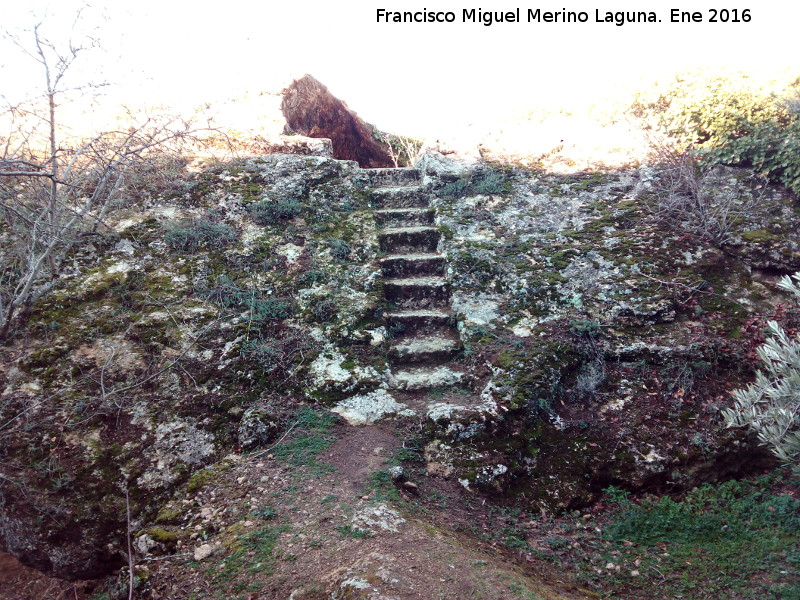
point(311, 110)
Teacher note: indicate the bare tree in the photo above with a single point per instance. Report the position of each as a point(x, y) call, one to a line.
point(57, 189)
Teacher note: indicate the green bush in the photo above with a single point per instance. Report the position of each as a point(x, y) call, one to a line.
point(271, 212)
point(730, 121)
point(324, 310)
point(192, 235)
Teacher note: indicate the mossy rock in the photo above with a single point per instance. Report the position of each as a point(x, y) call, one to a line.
point(167, 538)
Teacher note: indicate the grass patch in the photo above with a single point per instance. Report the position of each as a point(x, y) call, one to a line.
point(381, 487)
point(481, 182)
point(252, 553)
point(261, 309)
point(312, 436)
point(739, 539)
point(354, 532)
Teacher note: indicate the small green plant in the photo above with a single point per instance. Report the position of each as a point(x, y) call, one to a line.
point(411, 452)
point(311, 437)
point(312, 276)
point(266, 513)
point(191, 236)
point(229, 294)
point(339, 249)
point(324, 310)
point(381, 487)
point(354, 532)
point(585, 328)
point(271, 212)
point(251, 553)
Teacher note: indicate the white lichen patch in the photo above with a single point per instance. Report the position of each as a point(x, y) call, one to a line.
point(125, 247)
point(363, 409)
point(377, 336)
point(177, 444)
point(461, 422)
point(292, 252)
point(423, 345)
point(476, 309)
point(651, 457)
point(524, 327)
point(424, 377)
point(443, 411)
point(376, 519)
point(614, 404)
point(356, 583)
point(327, 368)
point(122, 266)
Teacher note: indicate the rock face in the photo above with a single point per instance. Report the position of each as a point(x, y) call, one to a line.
point(556, 337)
point(311, 110)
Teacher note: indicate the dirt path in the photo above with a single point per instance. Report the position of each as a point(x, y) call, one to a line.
point(338, 528)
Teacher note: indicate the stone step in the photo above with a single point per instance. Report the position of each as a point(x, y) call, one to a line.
point(418, 320)
point(399, 240)
point(417, 292)
point(404, 265)
point(400, 197)
point(403, 217)
point(424, 349)
point(389, 177)
point(420, 378)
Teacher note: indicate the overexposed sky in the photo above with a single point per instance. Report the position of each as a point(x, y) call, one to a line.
point(415, 78)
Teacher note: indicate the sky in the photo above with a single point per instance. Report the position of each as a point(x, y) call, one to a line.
point(412, 78)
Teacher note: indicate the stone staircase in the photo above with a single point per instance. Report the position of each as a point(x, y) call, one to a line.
point(417, 295)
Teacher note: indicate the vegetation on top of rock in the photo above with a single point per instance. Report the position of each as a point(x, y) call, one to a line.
point(271, 212)
point(484, 181)
point(727, 121)
point(261, 309)
point(202, 233)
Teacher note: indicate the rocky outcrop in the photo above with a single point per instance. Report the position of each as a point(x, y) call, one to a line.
point(554, 337)
point(311, 110)
point(196, 286)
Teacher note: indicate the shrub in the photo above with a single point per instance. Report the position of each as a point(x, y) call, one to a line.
point(203, 233)
point(312, 276)
point(483, 182)
point(683, 199)
point(324, 310)
point(731, 121)
point(403, 150)
point(340, 250)
point(271, 212)
point(263, 310)
point(771, 405)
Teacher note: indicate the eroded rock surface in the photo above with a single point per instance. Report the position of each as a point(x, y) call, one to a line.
point(574, 342)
